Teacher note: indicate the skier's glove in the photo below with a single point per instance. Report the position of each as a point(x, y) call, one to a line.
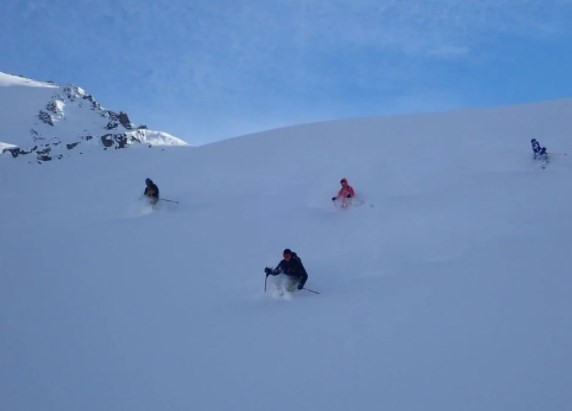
point(267, 270)
point(300, 286)
point(333, 198)
point(349, 196)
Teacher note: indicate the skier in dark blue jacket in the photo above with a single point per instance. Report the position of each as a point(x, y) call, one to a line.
point(536, 148)
point(292, 267)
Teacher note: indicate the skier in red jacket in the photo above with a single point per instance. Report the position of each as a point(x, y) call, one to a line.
point(345, 194)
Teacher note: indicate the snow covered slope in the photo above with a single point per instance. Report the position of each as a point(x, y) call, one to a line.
point(55, 119)
point(449, 289)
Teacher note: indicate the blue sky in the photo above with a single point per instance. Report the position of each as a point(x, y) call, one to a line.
point(205, 70)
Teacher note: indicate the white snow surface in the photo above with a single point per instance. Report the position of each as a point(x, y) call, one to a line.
point(9, 80)
point(74, 113)
point(448, 289)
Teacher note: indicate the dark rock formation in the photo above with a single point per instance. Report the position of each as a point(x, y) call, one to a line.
point(124, 120)
point(52, 106)
point(121, 140)
point(107, 140)
point(14, 151)
point(45, 151)
point(17, 151)
point(112, 125)
point(46, 118)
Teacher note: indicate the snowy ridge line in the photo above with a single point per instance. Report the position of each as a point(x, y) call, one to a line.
point(10, 80)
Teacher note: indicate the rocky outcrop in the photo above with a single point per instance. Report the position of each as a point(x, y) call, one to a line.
point(56, 106)
point(121, 141)
point(121, 118)
point(53, 112)
point(124, 120)
point(46, 118)
point(107, 140)
point(17, 151)
point(111, 125)
point(117, 140)
point(44, 157)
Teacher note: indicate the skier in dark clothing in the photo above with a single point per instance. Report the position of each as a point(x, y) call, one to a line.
point(292, 267)
point(536, 148)
point(151, 191)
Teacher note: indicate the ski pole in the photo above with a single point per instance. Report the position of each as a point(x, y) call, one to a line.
point(312, 291)
point(558, 154)
point(265, 280)
point(170, 201)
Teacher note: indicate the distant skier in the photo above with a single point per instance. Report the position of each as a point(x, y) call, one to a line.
point(151, 191)
point(536, 148)
point(345, 194)
point(292, 267)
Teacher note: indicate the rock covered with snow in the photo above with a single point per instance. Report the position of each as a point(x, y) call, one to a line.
point(48, 121)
